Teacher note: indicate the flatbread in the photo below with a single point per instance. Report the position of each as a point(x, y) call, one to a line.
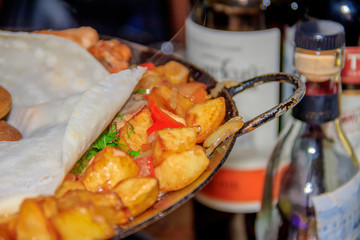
point(63, 98)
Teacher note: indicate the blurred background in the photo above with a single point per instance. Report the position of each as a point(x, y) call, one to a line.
point(142, 21)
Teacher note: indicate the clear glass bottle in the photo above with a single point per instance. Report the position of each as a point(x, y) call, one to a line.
point(313, 155)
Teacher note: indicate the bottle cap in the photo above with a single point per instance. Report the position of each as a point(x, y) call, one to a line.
point(320, 35)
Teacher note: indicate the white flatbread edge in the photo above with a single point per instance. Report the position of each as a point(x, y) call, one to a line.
point(42, 160)
point(62, 102)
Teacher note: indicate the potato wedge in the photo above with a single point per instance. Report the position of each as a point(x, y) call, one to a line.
point(133, 135)
point(173, 140)
point(171, 100)
point(68, 185)
point(110, 166)
point(138, 194)
point(174, 71)
point(8, 227)
point(32, 222)
point(180, 169)
point(148, 81)
point(108, 205)
point(208, 115)
point(81, 223)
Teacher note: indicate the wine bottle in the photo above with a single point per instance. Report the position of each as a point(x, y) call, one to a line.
point(230, 40)
point(312, 159)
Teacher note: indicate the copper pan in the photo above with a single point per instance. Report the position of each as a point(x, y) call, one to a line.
point(172, 200)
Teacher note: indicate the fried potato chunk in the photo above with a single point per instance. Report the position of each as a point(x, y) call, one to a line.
point(68, 185)
point(108, 205)
point(138, 194)
point(32, 222)
point(81, 223)
point(208, 115)
point(180, 169)
point(133, 135)
point(174, 71)
point(109, 166)
point(172, 140)
point(172, 101)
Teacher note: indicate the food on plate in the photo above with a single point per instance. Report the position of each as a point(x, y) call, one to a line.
point(111, 53)
point(7, 131)
point(5, 102)
point(84, 36)
point(105, 152)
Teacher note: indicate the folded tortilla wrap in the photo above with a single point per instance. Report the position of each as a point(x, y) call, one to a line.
point(63, 98)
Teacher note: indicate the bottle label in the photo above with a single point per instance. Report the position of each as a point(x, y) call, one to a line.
point(234, 55)
point(338, 212)
point(317, 109)
point(351, 70)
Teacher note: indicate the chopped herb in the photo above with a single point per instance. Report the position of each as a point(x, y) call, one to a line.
point(134, 153)
point(107, 138)
point(140, 90)
point(129, 129)
point(120, 116)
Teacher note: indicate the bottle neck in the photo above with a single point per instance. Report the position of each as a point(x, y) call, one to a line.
point(321, 71)
point(318, 108)
point(225, 15)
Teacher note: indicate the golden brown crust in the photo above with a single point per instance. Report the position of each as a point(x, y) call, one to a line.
point(8, 132)
point(5, 102)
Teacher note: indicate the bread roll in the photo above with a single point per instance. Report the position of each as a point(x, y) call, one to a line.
point(8, 132)
point(5, 102)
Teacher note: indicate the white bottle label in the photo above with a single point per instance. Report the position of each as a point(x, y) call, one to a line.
point(235, 55)
point(338, 212)
point(230, 55)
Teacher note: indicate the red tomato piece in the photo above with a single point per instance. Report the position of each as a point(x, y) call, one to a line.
point(164, 124)
point(149, 65)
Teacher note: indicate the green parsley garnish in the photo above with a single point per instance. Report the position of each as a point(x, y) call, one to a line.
point(107, 138)
point(140, 90)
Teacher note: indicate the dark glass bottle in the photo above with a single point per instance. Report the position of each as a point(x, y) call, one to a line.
point(312, 157)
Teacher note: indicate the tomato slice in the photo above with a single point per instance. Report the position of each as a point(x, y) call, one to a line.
point(194, 91)
point(149, 65)
point(146, 167)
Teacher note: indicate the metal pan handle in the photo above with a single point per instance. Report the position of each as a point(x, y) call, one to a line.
point(277, 111)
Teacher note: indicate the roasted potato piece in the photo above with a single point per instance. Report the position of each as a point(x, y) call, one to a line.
point(68, 185)
point(84, 36)
point(174, 71)
point(108, 205)
point(8, 227)
point(172, 140)
point(138, 194)
point(172, 101)
point(180, 169)
point(148, 82)
point(32, 222)
point(109, 166)
point(133, 135)
point(81, 223)
point(208, 115)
